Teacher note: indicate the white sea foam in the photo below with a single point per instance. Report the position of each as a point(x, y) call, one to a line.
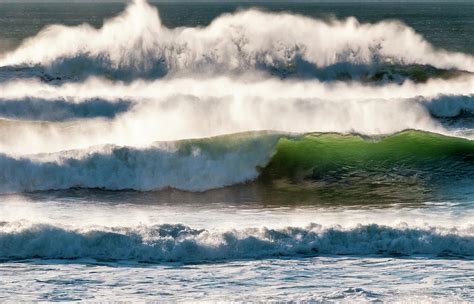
point(208, 81)
point(167, 243)
point(201, 82)
point(136, 43)
point(192, 166)
point(192, 108)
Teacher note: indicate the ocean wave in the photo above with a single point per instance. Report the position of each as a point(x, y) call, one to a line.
point(450, 105)
point(196, 165)
point(105, 135)
point(204, 164)
point(174, 109)
point(136, 44)
point(357, 158)
point(180, 243)
point(61, 109)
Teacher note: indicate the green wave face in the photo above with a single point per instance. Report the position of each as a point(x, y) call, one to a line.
point(410, 164)
point(262, 142)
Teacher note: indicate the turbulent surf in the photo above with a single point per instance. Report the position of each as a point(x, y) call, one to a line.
point(113, 107)
point(268, 157)
point(319, 157)
point(179, 243)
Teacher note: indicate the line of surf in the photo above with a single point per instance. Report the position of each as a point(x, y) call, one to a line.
point(204, 164)
point(179, 243)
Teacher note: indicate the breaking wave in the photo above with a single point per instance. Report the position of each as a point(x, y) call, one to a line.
point(174, 109)
point(179, 243)
point(109, 108)
point(204, 164)
point(136, 44)
point(188, 165)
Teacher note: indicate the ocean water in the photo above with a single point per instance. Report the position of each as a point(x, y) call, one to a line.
point(237, 152)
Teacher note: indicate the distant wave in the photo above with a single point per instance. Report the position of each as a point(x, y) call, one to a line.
point(179, 243)
point(450, 105)
point(136, 44)
point(204, 164)
point(60, 109)
point(180, 108)
point(134, 81)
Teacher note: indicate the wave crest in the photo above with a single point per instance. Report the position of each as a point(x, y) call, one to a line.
point(205, 164)
point(136, 44)
point(179, 243)
point(197, 165)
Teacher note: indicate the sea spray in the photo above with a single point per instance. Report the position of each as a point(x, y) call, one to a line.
point(137, 44)
point(204, 164)
point(180, 243)
point(142, 112)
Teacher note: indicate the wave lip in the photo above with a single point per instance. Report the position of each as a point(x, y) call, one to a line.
point(193, 165)
point(179, 243)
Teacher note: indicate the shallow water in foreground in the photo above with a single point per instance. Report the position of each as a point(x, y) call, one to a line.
point(319, 279)
point(386, 252)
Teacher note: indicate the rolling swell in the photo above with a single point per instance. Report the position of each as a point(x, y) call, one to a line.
point(179, 243)
point(204, 164)
point(352, 157)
